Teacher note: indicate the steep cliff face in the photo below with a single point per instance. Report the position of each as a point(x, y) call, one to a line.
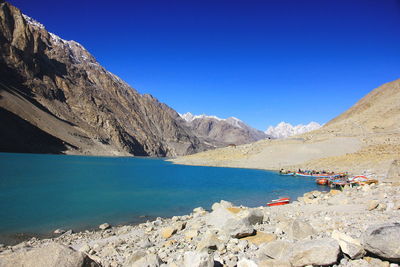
point(59, 89)
point(222, 132)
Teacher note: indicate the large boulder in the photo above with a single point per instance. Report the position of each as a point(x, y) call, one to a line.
point(53, 255)
point(104, 226)
point(299, 229)
point(324, 251)
point(235, 222)
point(393, 175)
point(211, 241)
point(260, 238)
point(221, 204)
point(198, 259)
point(278, 249)
point(274, 263)
point(167, 232)
point(141, 258)
point(383, 240)
point(246, 263)
point(350, 246)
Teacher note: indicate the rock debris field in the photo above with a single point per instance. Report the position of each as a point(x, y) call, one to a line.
point(358, 226)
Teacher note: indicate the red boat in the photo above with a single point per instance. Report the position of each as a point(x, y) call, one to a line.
point(279, 202)
point(322, 181)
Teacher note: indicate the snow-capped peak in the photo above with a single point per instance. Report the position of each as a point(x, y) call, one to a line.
point(33, 21)
point(284, 129)
point(190, 117)
point(234, 121)
point(71, 45)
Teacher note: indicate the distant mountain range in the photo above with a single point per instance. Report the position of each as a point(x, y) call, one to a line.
point(222, 132)
point(284, 129)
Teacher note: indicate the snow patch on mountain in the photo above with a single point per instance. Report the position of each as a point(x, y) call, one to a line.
point(189, 117)
point(33, 21)
point(284, 129)
point(80, 54)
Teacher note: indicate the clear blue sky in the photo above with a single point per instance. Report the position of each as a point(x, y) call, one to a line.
point(262, 61)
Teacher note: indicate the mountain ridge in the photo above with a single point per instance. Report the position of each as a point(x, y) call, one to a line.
point(222, 132)
point(58, 87)
point(284, 129)
point(365, 139)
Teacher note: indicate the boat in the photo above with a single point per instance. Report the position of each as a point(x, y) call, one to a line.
point(289, 173)
point(317, 175)
point(279, 202)
point(361, 180)
point(281, 199)
point(338, 182)
point(322, 181)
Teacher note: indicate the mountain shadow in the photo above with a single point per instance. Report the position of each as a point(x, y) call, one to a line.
point(20, 136)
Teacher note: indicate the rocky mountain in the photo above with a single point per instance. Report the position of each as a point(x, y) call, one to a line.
point(284, 129)
point(377, 113)
point(56, 98)
point(365, 140)
point(222, 132)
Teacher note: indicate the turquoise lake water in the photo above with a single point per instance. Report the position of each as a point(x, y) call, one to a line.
point(39, 193)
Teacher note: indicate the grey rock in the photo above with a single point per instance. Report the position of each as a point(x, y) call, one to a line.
point(382, 206)
point(324, 251)
point(141, 258)
point(274, 263)
point(85, 248)
point(377, 262)
point(59, 231)
point(210, 241)
point(238, 224)
point(222, 203)
point(278, 249)
point(246, 263)
point(197, 259)
point(144, 243)
point(243, 245)
point(393, 175)
point(300, 229)
point(104, 226)
point(373, 204)
point(199, 210)
point(53, 255)
point(383, 240)
point(350, 246)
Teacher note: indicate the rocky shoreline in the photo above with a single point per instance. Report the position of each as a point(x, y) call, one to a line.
point(358, 226)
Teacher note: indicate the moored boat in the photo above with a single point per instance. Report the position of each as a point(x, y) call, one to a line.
point(361, 180)
point(279, 201)
point(289, 173)
point(323, 175)
point(322, 181)
point(338, 182)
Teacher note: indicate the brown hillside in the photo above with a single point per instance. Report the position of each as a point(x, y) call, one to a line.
point(365, 138)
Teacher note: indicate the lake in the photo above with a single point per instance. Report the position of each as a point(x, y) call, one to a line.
point(40, 193)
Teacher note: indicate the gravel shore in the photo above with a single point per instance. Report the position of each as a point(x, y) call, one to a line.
point(358, 226)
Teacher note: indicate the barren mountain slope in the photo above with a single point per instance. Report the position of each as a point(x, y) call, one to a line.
point(222, 132)
point(366, 137)
point(52, 87)
point(377, 112)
